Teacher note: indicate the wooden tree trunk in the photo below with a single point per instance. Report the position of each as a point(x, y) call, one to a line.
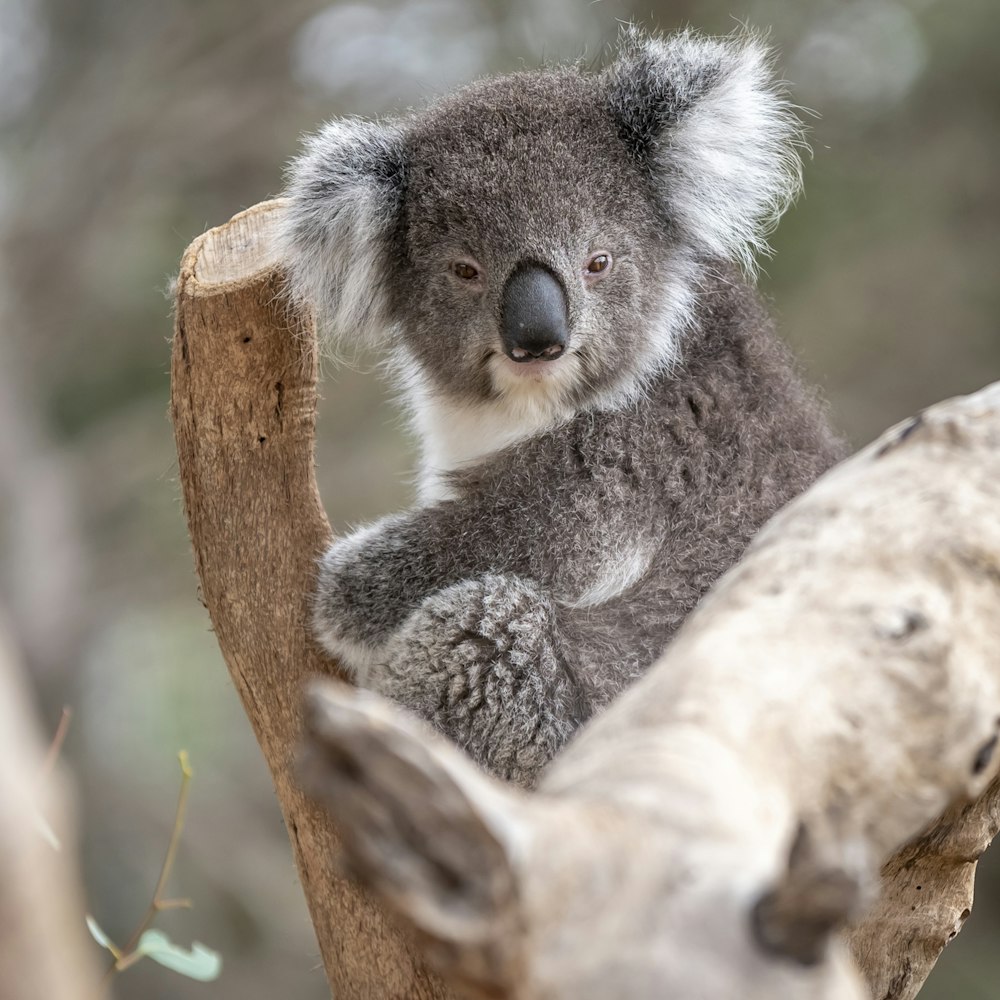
point(243, 402)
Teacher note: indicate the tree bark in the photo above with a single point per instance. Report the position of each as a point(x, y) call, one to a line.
point(243, 402)
point(43, 944)
point(926, 897)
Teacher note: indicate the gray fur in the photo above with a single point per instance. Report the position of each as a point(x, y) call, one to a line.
point(569, 520)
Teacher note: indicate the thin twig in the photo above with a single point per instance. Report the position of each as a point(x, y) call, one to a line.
point(175, 837)
point(174, 904)
point(128, 955)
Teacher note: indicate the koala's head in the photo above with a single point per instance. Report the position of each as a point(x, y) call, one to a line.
point(541, 236)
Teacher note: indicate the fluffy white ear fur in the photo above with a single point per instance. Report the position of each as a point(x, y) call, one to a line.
point(725, 148)
point(344, 191)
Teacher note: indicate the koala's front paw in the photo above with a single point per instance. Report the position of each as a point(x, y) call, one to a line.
point(346, 605)
point(480, 660)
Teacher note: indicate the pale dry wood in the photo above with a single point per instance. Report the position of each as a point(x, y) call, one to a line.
point(243, 402)
point(834, 702)
point(926, 897)
point(44, 950)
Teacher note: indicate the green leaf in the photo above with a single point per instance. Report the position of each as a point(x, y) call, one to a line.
point(99, 936)
point(199, 963)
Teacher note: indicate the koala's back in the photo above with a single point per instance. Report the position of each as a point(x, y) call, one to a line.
point(636, 512)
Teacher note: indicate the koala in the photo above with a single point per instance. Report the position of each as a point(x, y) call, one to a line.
point(557, 266)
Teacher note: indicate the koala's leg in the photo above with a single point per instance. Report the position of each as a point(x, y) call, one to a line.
point(482, 661)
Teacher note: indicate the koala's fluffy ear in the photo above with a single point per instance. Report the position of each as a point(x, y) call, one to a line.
point(423, 827)
point(717, 132)
point(345, 195)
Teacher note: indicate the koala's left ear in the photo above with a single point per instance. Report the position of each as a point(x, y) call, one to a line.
point(717, 132)
point(345, 194)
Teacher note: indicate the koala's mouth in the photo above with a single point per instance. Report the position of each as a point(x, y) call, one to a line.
point(537, 369)
point(549, 378)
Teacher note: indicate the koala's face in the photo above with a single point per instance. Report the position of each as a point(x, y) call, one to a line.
point(540, 237)
point(534, 256)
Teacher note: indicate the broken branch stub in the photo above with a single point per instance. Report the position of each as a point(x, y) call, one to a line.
point(243, 403)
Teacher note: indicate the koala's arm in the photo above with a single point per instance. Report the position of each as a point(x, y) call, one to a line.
point(557, 535)
point(416, 606)
point(370, 580)
point(555, 513)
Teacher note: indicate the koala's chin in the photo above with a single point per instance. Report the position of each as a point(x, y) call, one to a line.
point(558, 266)
point(545, 386)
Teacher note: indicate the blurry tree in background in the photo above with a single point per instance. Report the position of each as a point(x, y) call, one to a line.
point(128, 128)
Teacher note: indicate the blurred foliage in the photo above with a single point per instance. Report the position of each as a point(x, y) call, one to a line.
point(127, 129)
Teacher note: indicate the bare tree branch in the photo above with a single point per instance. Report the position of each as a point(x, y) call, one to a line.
point(926, 897)
point(243, 397)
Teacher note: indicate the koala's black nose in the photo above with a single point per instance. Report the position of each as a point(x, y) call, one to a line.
point(533, 315)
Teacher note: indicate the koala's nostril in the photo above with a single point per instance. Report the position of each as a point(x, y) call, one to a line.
point(533, 321)
point(547, 354)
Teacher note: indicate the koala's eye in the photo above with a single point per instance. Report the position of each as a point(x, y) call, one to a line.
point(599, 263)
point(464, 270)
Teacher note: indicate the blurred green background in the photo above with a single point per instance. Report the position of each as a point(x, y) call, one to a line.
point(126, 129)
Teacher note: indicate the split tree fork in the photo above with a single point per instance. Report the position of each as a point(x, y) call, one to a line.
point(887, 598)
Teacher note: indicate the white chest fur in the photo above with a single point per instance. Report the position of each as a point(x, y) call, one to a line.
point(453, 435)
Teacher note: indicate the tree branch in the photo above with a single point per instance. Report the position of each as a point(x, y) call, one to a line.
point(925, 898)
point(243, 401)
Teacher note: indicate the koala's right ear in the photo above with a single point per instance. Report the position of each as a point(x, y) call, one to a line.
point(345, 194)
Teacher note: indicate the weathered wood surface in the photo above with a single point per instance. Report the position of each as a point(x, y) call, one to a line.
point(243, 402)
point(835, 698)
point(926, 897)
